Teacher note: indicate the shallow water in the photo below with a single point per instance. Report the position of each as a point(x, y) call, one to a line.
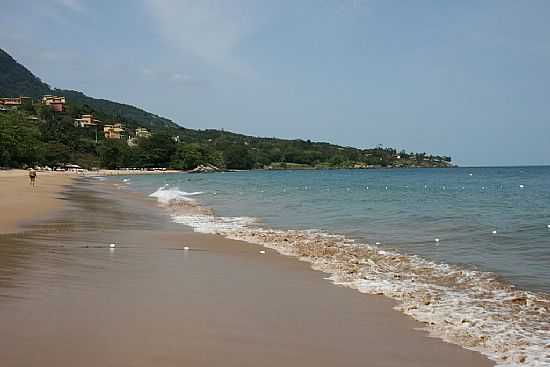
point(465, 250)
point(402, 209)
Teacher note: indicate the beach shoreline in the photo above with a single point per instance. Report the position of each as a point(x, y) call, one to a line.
point(66, 297)
point(22, 203)
point(26, 204)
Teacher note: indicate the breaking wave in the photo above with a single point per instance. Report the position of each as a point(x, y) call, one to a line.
point(170, 195)
point(471, 308)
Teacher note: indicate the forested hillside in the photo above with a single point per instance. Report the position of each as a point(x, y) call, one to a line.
point(36, 135)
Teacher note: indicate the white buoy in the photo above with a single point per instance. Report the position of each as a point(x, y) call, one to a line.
point(262, 252)
point(521, 186)
point(112, 245)
point(548, 226)
point(494, 232)
point(436, 240)
point(470, 174)
point(186, 248)
point(378, 243)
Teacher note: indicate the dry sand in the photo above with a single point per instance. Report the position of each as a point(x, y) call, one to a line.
point(66, 299)
point(20, 202)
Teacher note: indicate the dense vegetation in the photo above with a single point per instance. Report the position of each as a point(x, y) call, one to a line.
point(34, 135)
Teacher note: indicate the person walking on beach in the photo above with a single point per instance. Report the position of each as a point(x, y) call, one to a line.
point(32, 176)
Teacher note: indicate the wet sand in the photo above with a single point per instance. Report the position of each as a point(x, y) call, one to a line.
point(67, 299)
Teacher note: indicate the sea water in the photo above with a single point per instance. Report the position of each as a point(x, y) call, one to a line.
point(465, 250)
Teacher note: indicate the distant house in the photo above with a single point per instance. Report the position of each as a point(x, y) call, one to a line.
point(57, 104)
point(113, 131)
point(16, 102)
point(142, 132)
point(3, 109)
point(86, 121)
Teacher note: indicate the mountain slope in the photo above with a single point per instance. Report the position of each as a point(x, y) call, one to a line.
point(16, 80)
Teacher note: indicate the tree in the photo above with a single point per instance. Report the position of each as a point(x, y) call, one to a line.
point(157, 151)
point(187, 156)
point(113, 153)
point(20, 143)
point(238, 157)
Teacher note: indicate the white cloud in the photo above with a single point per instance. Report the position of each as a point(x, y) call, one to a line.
point(210, 30)
point(74, 5)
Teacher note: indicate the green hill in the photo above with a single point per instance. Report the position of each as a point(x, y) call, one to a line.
point(16, 80)
point(56, 140)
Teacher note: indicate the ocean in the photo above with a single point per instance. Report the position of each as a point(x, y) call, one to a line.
point(464, 250)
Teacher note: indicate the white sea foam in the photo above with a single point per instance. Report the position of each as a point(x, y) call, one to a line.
point(466, 307)
point(168, 195)
point(204, 223)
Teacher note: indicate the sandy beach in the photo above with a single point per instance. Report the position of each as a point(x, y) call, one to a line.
point(67, 299)
point(20, 202)
point(25, 203)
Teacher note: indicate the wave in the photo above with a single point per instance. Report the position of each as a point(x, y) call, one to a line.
point(470, 308)
point(172, 195)
point(204, 223)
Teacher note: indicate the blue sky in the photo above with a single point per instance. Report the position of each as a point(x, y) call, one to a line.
point(466, 78)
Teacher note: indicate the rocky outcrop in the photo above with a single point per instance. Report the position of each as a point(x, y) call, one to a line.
point(207, 168)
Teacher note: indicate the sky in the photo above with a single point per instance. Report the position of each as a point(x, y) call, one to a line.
point(469, 79)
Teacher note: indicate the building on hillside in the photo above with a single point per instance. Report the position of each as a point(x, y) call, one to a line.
point(16, 102)
point(113, 131)
point(142, 132)
point(86, 121)
point(57, 104)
